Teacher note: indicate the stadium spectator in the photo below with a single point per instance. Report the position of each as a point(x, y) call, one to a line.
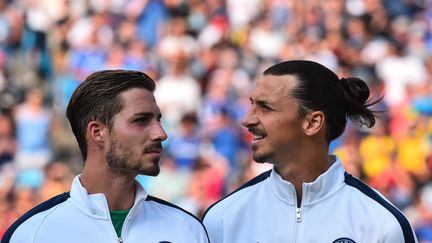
point(57, 44)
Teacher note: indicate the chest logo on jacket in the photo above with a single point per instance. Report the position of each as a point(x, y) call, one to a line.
point(344, 240)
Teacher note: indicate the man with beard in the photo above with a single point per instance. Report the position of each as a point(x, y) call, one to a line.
point(116, 121)
point(297, 108)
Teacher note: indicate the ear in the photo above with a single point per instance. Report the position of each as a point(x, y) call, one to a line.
point(97, 132)
point(313, 123)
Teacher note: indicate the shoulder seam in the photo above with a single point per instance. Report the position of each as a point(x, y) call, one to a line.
point(369, 192)
point(46, 216)
point(50, 203)
point(166, 203)
point(261, 177)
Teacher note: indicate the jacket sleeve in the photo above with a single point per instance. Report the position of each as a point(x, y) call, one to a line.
point(211, 223)
point(202, 236)
point(393, 233)
point(23, 233)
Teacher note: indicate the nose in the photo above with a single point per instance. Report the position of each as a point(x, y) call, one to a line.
point(158, 133)
point(250, 118)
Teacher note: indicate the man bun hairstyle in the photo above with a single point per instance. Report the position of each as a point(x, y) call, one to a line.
point(320, 89)
point(356, 101)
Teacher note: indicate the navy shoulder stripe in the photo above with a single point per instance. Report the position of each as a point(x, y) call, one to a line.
point(252, 182)
point(406, 228)
point(39, 208)
point(158, 200)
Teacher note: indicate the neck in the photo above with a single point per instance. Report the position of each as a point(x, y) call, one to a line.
point(305, 168)
point(118, 188)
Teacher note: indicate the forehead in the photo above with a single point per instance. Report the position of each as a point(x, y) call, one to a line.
point(273, 88)
point(138, 100)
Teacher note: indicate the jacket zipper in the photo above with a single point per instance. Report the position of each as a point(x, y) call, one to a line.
point(127, 219)
point(298, 215)
point(298, 219)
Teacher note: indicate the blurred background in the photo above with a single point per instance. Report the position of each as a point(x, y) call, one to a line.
point(205, 57)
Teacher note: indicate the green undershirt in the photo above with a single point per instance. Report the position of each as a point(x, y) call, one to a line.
point(118, 217)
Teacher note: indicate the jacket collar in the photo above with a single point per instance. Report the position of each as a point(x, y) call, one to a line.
point(323, 187)
point(96, 205)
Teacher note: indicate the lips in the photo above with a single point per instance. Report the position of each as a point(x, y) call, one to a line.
point(257, 137)
point(156, 148)
point(257, 134)
point(157, 151)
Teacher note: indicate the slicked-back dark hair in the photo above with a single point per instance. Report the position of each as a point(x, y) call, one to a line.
point(320, 89)
point(97, 98)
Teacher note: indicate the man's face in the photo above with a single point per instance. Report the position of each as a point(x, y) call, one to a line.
point(273, 119)
point(135, 140)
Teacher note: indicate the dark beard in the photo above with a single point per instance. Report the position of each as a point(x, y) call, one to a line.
point(118, 159)
point(260, 159)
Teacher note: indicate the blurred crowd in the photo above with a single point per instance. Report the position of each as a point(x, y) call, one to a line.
point(205, 57)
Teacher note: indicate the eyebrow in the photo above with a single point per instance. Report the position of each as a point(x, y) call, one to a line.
point(148, 114)
point(260, 102)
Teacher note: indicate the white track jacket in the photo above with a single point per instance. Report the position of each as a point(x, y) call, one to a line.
point(335, 208)
point(79, 217)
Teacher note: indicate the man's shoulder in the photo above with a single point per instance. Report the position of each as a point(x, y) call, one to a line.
point(173, 213)
point(239, 197)
point(174, 216)
point(27, 224)
point(172, 209)
point(383, 210)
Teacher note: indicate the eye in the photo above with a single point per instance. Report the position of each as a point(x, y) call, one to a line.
point(159, 118)
point(142, 120)
point(265, 107)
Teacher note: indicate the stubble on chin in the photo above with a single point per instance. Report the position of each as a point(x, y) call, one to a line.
point(121, 160)
point(259, 159)
point(262, 158)
point(137, 167)
point(152, 170)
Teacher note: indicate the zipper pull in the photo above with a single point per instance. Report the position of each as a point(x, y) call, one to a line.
point(298, 215)
point(120, 240)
